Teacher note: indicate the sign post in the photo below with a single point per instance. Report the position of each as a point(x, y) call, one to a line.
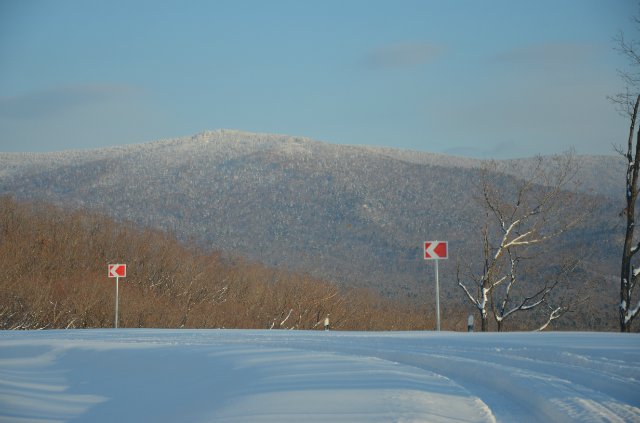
point(117, 271)
point(436, 250)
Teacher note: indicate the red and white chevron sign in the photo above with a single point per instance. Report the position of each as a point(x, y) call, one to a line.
point(117, 270)
point(435, 250)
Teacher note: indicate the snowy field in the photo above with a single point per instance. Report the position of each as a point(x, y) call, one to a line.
point(296, 376)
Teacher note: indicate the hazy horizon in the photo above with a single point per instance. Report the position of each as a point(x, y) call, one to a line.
point(495, 79)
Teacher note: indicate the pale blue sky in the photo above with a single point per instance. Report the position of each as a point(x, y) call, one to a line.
point(477, 78)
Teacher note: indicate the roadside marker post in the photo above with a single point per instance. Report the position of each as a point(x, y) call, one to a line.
point(117, 271)
point(436, 250)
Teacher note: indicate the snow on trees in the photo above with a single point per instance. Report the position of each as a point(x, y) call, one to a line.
point(520, 216)
point(629, 274)
point(628, 102)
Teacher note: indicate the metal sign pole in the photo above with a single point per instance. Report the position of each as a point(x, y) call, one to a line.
point(436, 250)
point(117, 271)
point(117, 283)
point(437, 298)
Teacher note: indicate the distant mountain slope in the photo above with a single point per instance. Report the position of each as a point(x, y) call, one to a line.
point(354, 214)
point(598, 174)
point(595, 174)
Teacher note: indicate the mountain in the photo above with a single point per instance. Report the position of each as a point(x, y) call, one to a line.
point(353, 214)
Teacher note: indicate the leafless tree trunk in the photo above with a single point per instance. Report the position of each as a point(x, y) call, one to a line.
point(629, 274)
point(627, 103)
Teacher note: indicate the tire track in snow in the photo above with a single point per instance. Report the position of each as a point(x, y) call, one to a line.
point(520, 383)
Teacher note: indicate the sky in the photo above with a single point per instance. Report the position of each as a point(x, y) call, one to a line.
point(474, 78)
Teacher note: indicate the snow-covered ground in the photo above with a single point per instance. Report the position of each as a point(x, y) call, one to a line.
point(296, 376)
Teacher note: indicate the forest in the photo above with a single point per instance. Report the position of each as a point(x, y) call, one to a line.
point(55, 276)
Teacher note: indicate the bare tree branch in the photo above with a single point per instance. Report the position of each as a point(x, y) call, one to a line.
point(519, 218)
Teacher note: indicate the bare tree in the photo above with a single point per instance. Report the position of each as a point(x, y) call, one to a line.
point(563, 305)
point(625, 100)
point(627, 103)
point(628, 273)
point(521, 214)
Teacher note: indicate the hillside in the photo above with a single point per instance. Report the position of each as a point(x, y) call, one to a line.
point(55, 276)
point(354, 215)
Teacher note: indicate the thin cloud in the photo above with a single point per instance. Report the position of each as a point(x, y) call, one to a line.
point(403, 55)
point(58, 100)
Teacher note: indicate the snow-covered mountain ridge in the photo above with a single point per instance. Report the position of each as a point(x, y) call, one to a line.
point(598, 174)
point(353, 214)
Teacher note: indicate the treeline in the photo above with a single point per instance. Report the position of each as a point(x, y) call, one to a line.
point(54, 275)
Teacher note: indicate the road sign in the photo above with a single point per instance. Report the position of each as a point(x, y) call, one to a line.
point(117, 270)
point(436, 250)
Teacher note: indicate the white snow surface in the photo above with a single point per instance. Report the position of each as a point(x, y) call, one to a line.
point(140, 375)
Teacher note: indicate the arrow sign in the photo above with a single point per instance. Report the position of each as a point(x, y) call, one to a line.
point(435, 250)
point(117, 270)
